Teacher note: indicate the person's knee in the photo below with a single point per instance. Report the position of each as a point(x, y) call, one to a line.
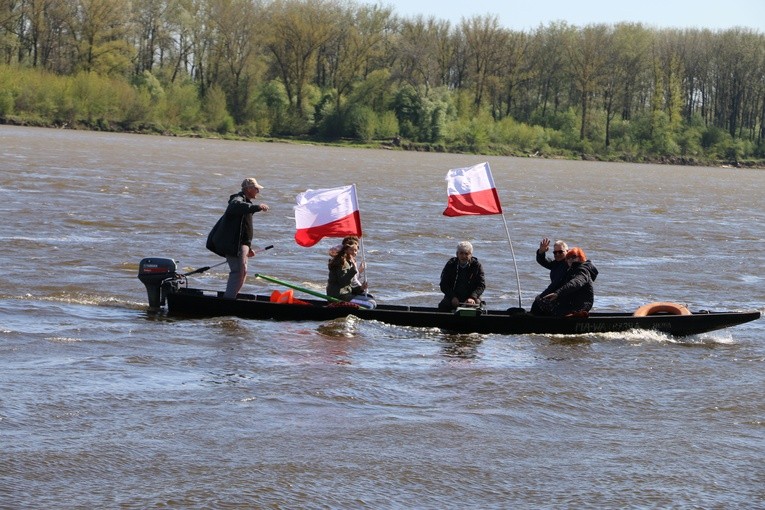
point(541, 307)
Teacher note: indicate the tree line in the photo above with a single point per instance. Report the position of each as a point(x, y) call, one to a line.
point(336, 69)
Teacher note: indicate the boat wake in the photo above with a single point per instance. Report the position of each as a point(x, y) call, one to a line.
point(81, 299)
point(343, 327)
point(640, 336)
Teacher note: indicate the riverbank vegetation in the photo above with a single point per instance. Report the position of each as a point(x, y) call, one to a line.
point(339, 71)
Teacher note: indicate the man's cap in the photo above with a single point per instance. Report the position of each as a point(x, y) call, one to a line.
point(251, 183)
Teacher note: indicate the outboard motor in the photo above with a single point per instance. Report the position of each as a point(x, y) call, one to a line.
point(153, 272)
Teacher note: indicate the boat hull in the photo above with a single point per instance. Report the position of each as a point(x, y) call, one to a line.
point(198, 303)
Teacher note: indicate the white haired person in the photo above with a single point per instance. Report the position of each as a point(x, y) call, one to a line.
point(557, 266)
point(231, 237)
point(574, 294)
point(462, 279)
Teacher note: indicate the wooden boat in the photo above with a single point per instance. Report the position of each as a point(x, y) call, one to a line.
point(165, 285)
point(199, 303)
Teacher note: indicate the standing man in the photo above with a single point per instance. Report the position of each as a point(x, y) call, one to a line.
point(231, 237)
point(557, 265)
point(462, 279)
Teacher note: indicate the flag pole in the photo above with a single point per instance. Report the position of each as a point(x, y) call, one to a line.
point(361, 239)
point(512, 252)
point(363, 257)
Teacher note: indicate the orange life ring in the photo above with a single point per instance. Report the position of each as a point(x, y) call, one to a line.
point(661, 307)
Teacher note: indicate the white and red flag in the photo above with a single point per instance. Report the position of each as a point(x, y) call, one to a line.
point(331, 212)
point(471, 190)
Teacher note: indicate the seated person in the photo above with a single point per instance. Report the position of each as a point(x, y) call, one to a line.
point(572, 294)
point(462, 279)
point(557, 265)
point(355, 282)
point(342, 282)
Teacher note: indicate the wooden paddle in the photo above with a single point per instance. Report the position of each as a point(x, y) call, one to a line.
point(297, 287)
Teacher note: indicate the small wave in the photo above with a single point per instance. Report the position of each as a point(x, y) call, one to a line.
point(401, 332)
point(345, 327)
point(414, 298)
point(63, 340)
point(650, 336)
point(82, 299)
point(48, 240)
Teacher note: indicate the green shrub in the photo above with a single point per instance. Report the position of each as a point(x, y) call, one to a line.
point(256, 127)
point(227, 125)
point(8, 89)
point(271, 104)
point(181, 107)
point(214, 110)
point(136, 108)
point(36, 96)
point(374, 91)
point(518, 135)
point(361, 123)
point(712, 136)
point(470, 135)
point(387, 126)
point(6, 103)
point(407, 105)
point(152, 85)
point(689, 142)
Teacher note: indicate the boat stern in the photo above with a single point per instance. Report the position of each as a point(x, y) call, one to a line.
point(156, 274)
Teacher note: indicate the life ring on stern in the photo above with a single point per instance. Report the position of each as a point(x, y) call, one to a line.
point(661, 307)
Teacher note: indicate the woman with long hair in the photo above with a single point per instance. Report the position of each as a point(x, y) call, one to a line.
point(342, 282)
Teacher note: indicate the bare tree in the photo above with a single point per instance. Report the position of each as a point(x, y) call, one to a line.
point(547, 55)
point(422, 51)
point(485, 41)
point(238, 45)
point(513, 75)
point(627, 63)
point(297, 30)
point(587, 66)
point(357, 46)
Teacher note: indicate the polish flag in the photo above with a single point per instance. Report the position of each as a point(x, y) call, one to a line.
point(471, 190)
point(332, 212)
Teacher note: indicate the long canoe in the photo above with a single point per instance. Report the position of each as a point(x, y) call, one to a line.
point(189, 302)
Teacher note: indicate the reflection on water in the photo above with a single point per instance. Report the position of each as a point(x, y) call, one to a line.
point(461, 346)
point(340, 327)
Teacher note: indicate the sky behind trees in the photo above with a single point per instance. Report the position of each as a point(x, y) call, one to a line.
point(524, 15)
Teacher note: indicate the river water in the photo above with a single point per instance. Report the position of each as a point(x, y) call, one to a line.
point(106, 405)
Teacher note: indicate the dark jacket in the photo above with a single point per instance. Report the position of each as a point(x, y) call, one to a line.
point(462, 282)
point(340, 281)
point(234, 228)
point(575, 291)
point(558, 268)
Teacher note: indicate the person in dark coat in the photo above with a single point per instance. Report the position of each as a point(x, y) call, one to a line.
point(231, 237)
point(343, 282)
point(574, 294)
point(462, 279)
point(355, 281)
point(557, 266)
